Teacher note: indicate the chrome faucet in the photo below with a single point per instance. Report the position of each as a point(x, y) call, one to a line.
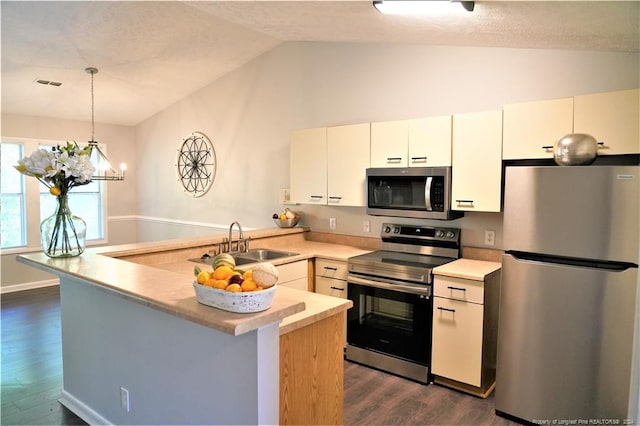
point(241, 238)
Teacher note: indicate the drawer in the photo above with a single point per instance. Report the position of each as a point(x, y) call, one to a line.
point(331, 269)
point(458, 288)
point(331, 287)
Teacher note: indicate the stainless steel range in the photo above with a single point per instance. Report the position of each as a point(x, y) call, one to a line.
point(389, 327)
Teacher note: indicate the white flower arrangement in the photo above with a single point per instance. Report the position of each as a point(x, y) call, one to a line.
point(60, 168)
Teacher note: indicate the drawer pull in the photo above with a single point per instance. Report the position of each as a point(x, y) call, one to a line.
point(464, 201)
point(547, 147)
point(457, 288)
point(394, 159)
point(440, 308)
point(331, 268)
point(316, 196)
point(416, 159)
point(336, 288)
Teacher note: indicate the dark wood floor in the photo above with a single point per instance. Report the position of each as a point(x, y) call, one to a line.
point(32, 378)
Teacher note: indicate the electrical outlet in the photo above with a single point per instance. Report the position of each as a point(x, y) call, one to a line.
point(124, 399)
point(366, 226)
point(489, 237)
point(332, 223)
point(284, 196)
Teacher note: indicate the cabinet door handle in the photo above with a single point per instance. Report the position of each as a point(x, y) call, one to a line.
point(440, 308)
point(316, 196)
point(421, 159)
point(336, 288)
point(601, 145)
point(547, 147)
point(335, 198)
point(464, 201)
point(331, 268)
point(457, 288)
point(394, 159)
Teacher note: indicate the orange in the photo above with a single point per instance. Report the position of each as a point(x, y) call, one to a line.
point(249, 285)
point(210, 282)
point(223, 272)
point(202, 277)
point(221, 284)
point(248, 275)
point(234, 288)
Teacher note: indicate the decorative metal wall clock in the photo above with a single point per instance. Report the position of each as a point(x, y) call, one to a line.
point(196, 164)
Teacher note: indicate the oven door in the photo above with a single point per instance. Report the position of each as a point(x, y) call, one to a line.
point(390, 319)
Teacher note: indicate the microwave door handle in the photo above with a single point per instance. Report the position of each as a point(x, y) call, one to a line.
point(427, 193)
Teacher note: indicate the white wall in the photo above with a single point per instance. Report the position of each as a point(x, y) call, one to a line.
point(249, 112)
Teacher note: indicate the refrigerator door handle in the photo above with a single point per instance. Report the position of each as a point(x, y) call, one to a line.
point(572, 261)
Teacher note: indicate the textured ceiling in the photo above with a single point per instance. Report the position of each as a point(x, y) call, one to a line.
point(151, 54)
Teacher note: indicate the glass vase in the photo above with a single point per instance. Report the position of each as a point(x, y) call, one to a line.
point(63, 234)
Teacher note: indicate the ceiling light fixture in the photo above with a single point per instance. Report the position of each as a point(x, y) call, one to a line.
point(409, 7)
point(104, 170)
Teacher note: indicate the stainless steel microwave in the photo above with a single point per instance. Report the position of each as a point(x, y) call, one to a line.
point(415, 192)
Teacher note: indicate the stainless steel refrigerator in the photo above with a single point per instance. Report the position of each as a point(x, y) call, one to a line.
point(568, 302)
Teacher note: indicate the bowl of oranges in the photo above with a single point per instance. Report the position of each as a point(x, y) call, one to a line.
point(234, 290)
point(286, 218)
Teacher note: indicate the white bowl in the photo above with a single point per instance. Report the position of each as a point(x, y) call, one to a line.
point(242, 302)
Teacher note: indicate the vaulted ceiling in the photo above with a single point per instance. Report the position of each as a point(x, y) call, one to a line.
point(152, 54)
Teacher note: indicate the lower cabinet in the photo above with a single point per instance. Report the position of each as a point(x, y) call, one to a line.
point(465, 325)
point(294, 275)
point(331, 279)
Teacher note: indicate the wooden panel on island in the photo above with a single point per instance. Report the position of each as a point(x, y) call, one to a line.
point(312, 373)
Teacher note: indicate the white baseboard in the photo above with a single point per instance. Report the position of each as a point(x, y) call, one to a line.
point(28, 286)
point(82, 410)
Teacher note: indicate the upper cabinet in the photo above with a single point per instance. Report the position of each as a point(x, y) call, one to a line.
point(477, 161)
point(390, 143)
point(423, 142)
point(430, 141)
point(612, 118)
point(308, 165)
point(347, 161)
point(531, 129)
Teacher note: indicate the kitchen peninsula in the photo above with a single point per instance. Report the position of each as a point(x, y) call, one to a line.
point(139, 349)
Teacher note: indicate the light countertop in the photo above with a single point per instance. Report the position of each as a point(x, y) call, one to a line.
point(471, 269)
point(167, 285)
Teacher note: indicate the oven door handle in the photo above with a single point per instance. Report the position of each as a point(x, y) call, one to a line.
point(426, 291)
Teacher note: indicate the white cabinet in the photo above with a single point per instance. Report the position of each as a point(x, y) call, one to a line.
point(612, 118)
point(308, 166)
point(430, 141)
point(477, 161)
point(390, 144)
point(422, 142)
point(465, 325)
point(531, 129)
point(331, 280)
point(328, 165)
point(347, 162)
point(294, 275)
point(331, 277)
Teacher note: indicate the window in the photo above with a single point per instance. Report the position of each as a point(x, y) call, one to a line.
point(12, 208)
point(20, 224)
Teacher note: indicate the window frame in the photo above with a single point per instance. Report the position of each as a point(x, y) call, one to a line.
point(32, 202)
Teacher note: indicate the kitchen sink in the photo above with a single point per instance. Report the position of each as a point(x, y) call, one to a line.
point(260, 255)
point(251, 256)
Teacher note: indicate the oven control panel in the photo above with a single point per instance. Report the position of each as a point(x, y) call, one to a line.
point(390, 231)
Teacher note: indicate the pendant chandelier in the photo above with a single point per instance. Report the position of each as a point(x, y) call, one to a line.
point(104, 170)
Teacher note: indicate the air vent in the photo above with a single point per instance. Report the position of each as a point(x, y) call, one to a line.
point(48, 83)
